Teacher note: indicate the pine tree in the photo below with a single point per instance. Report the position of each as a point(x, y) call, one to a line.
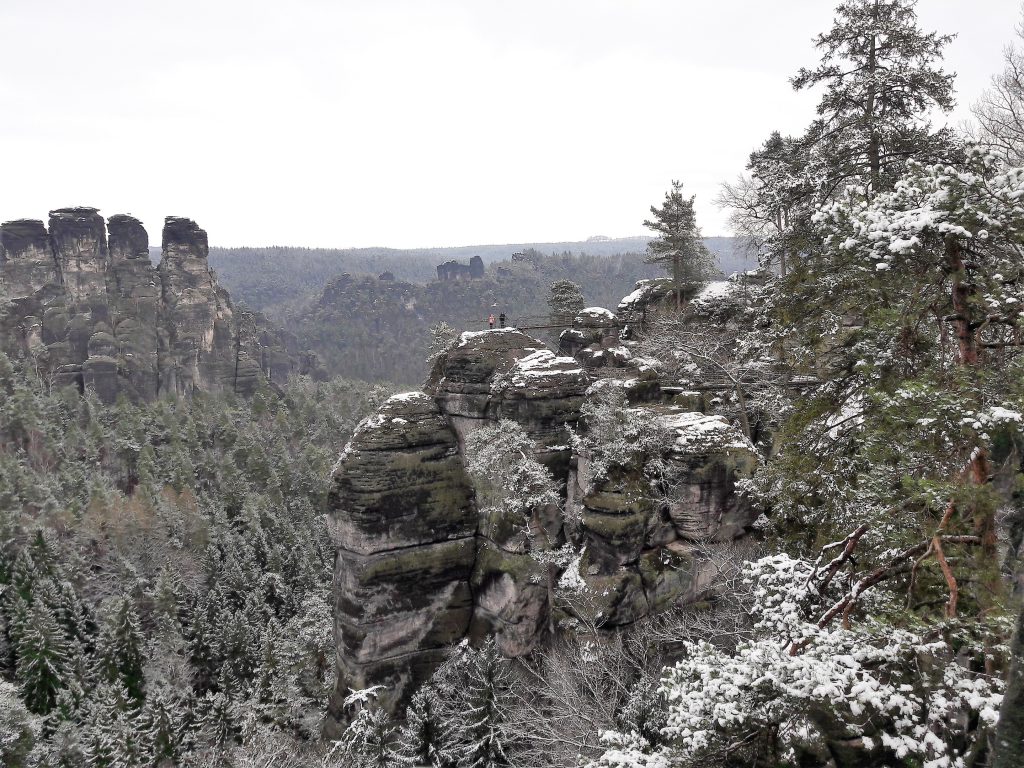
point(114, 736)
point(120, 648)
point(42, 652)
point(220, 720)
point(488, 690)
point(19, 729)
point(881, 78)
point(770, 207)
point(427, 737)
point(678, 246)
point(565, 300)
point(367, 742)
point(204, 653)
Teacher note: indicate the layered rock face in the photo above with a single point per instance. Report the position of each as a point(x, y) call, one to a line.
point(643, 554)
point(594, 340)
point(506, 374)
point(82, 300)
point(419, 566)
point(403, 524)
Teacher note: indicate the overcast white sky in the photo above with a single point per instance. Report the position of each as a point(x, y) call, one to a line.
point(411, 123)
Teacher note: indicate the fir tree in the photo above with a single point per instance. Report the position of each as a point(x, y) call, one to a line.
point(565, 300)
point(19, 729)
point(427, 737)
point(881, 78)
point(678, 246)
point(42, 652)
point(484, 742)
point(120, 648)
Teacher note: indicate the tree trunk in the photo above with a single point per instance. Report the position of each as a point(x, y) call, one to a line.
point(677, 278)
point(1009, 740)
point(875, 143)
point(967, 343)
point(742, 402)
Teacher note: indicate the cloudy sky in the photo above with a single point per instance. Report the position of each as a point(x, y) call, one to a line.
point(411, 122)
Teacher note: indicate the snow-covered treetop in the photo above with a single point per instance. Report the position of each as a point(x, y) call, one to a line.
point(982, 206)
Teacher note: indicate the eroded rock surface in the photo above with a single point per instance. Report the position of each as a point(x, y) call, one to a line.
point(81, 299)
point(403, 522)
point(420, 567)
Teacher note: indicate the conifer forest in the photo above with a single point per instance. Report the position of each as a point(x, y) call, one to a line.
point(736, 493)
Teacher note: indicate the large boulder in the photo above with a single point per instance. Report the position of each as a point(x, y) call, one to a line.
point(403, 520)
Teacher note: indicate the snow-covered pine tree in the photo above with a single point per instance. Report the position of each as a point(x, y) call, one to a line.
point(160, 722)
point(19, 728)
point(487, 692)
point(113, 732)
point(426, 738)
point(219, 721)
point(42, 658)
point(882, 77)
point(120, 648)
point(771, 203)
point(565, 300)
point(678, 246)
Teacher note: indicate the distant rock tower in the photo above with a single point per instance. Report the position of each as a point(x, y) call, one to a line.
point(453, 270)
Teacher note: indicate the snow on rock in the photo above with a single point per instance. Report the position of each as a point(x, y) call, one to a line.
point(596, 312)
point(401, 420)
point(715, 291)
point(468, 336)
point(700, 433)
point(542, 368)
point(644, 292)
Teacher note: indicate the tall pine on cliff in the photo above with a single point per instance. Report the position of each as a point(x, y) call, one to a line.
point(881, 78)
point(678, 246)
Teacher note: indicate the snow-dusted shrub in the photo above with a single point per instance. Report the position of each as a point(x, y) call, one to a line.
point(894, 695)
point(620, 437)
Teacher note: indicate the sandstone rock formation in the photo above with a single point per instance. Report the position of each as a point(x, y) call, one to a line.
point(404, 531)
point(83, 302)
point(593, 339)
point(420, 566)
point(453, 270)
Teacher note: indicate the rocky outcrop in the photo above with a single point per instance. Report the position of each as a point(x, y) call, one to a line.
point(403, 522)
point(641, 551)
point(419, 566)
point(82, 300)
point(593, 340)
point(506, 374)
point(453, 270)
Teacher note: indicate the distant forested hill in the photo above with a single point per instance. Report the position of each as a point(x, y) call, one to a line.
point(278, 278)
point(375, 329)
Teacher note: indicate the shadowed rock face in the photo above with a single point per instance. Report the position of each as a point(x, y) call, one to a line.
point(403, 524)
point(418, 567)
point(84, 302)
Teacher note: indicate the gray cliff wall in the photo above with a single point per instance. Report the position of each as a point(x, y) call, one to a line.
point(82, 301)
